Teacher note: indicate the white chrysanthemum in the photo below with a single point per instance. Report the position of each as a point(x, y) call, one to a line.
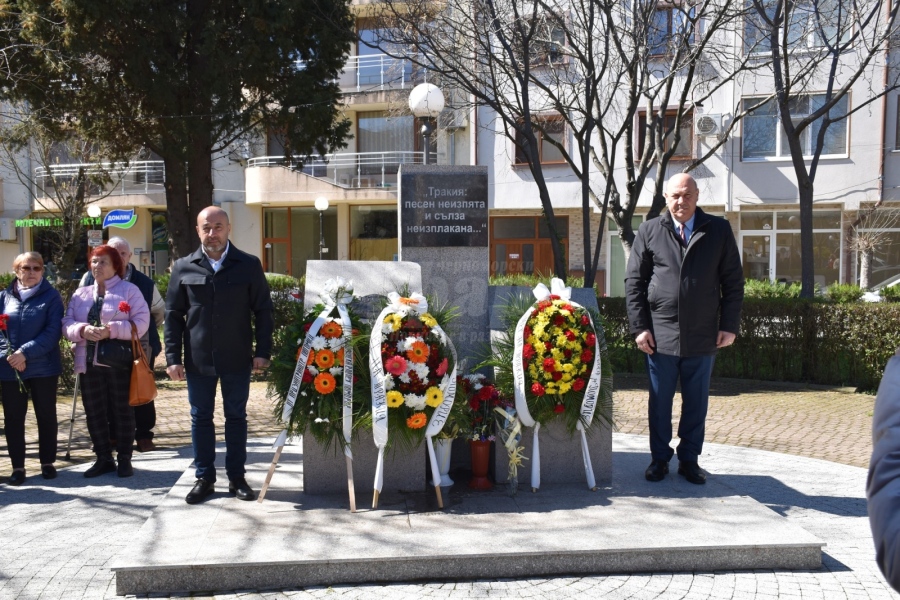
point(388, 382)
point(335, 344)
point(414, 401)
point(321, 420)
point(336, 371)
point(312, 369)
point(405, 377)
point(319, 342)
point(421, 370)
point(387, 327)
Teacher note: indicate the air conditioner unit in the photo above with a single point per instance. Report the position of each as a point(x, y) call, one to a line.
point(8, 230)
point(454, 118)
point(708, 125)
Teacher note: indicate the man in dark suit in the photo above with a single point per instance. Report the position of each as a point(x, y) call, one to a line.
point(684, 288)
point(212, 295)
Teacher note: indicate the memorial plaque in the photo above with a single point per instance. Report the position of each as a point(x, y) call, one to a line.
point(443, 208)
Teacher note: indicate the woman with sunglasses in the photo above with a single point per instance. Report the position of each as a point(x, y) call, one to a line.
point(30, 329)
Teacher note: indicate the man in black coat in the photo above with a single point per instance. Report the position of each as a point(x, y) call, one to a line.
point(212, 295)
point(684, 288)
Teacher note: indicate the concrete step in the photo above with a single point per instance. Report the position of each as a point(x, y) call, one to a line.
point(294, 539)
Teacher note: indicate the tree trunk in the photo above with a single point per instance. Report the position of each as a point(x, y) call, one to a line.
point(865, 268)
point(178, 222)
point(200, 186)
point(807, 257)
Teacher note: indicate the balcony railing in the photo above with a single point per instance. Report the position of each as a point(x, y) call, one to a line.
point(372, 72)
point(141, 177)
point(349, 170)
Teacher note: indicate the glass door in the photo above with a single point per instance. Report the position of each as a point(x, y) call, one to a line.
point(756, 253)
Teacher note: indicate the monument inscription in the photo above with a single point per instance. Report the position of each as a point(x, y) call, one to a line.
point(444, 209)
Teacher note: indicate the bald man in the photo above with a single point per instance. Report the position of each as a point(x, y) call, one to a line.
point(684, 287)
point(216, 296)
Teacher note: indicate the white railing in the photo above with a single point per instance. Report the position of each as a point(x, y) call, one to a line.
point(140, 177)
point(372, 72)
point(349, 170)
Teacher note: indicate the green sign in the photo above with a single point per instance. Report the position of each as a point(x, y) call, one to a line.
point(55, 222)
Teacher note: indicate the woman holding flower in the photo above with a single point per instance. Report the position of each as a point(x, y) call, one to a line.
point(102, 311)
point(30, 329)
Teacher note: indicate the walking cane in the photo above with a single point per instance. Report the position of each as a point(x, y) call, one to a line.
point(72, 418)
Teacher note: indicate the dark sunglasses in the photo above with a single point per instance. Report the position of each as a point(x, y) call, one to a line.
point(31, 269)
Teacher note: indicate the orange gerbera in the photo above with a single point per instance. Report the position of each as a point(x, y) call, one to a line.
point(331, 329)
point(324, 383)
point(418, 352)
point(417, 421)
point(339, 357)
point(299, 351)
point(311, 358)
point(324, 359)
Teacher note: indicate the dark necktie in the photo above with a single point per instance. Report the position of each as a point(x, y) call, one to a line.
point(682, 230)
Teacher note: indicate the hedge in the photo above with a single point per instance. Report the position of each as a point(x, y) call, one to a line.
point(787, 339)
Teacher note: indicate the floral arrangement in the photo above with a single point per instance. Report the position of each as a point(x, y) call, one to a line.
point(476, 401)
point(417, 362)
point(319, 404)
point(4, 334)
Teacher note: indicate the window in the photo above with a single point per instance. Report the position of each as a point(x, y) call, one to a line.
point(291, 237)
point(763, 137)
point(523, 244)
point(668, 27)
point(546, 44)
point(373, 232)
point(897, 127)
point(684, 149)
point(553, 128)
point(380, 138)
point(811, 24)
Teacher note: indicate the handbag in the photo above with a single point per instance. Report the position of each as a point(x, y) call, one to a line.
point(117, 354)
point(143, 383)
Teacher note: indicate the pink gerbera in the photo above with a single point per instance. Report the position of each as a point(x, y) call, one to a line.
point(395, 365)
point(442, 368)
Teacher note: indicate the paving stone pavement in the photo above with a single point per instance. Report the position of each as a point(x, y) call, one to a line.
point(59, 537)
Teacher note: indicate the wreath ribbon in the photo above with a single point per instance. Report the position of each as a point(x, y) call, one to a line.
point(589, 400)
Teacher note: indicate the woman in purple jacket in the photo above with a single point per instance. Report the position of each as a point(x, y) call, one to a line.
point(102, 311)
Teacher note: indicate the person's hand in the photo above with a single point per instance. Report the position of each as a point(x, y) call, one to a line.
point(645, 342)
point(175, 372)
point(260, 364)
point(95, 334)
point(16, 361)
point(725, 338)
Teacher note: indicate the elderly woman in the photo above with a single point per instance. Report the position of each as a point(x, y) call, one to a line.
point(102, 311)
point(32, 319)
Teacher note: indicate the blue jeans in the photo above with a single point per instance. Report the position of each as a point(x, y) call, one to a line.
point(202, 397)
point(665, 371)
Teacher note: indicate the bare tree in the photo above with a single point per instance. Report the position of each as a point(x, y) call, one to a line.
point(868, 233)
point(829, 46)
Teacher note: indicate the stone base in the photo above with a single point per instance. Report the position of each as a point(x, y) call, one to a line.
point(325, 471)
point(561, 456)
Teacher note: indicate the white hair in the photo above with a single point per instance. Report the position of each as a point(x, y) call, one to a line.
point(117, 241)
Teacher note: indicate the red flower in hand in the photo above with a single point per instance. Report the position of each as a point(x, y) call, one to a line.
point(537, 389)
point(3, 319)
point(124, 307)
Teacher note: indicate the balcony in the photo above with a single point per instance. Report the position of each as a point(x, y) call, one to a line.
point(136, 178)
point(347, 170)
point(376, 72)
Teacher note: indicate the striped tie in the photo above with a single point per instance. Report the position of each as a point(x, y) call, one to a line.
point(682, 230)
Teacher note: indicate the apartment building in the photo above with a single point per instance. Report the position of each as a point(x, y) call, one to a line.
point(749, 180)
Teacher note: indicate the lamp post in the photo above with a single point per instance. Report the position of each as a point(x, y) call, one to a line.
point(321, 206)
point(426, 101)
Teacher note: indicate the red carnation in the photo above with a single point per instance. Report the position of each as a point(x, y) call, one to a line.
point(124, 307)
point(3, 319)
point(567, 353)
point(557, 375)
point(528, 351)
point(570, 335)
point(590, 338)
point(568, 307)
point(549, 364)
point(587, 356)
point(307, 376)
point(527, 331)
point(559, 320)
point(559, 408)
point(578, 385)
point(585, 320)
point(537, 389)
point(554, 297)
point(474, 403)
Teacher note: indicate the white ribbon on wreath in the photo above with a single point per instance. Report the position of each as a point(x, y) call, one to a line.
point(337, 293)
point(418, 304)
point(591, 392)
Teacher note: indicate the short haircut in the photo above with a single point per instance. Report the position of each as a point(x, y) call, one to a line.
point(113, 241)
point(26, 256)
point(114, 258)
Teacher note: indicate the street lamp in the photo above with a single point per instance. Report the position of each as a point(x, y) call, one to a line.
point(426, 101)
point(94, 211)
point(321, 206)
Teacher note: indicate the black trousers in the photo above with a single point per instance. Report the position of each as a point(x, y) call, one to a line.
point(102, 389)
point(15, 406)
point(144, 418)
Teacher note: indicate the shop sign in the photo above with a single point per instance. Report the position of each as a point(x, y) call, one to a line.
point(95, 237)
point(121, 218)
point(54, 222)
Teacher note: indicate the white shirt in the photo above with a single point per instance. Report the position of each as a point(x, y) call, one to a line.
point(217, 264)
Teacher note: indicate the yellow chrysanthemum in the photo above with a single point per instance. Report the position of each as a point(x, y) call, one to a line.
point(564, 386)
point(395, 320)
point(428, 320)
point(434, 396)
point(394, 399)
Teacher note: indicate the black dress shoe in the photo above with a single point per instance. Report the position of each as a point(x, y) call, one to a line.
point(201, 490)
point(240, 489)
point(104, 464)
point(692, 471)
point(48, 471)
point(657, 470)
point(17, 477)
point(125, 469)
